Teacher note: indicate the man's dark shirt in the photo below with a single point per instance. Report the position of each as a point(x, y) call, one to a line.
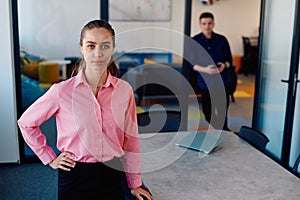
point(213, 50)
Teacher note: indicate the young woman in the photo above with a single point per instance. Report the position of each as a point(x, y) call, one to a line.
point(97, 131)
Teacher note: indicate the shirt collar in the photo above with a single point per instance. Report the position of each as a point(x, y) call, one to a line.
point(203, 36)
point(110, 80)
point(80, 79)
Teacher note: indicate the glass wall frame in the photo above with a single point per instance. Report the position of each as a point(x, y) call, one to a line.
point(276, 106)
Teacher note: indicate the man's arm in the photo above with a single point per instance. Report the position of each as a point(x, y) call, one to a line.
point(210, 69)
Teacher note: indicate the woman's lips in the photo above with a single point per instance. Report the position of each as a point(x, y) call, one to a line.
point(98, 62)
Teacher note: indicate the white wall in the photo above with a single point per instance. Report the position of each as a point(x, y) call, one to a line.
point(9, 147)
point(160, 35)
point(51, 28)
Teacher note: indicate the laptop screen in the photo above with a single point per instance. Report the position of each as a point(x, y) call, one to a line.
point(204, 141)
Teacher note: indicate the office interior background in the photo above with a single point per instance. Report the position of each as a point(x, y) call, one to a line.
point(50, 29)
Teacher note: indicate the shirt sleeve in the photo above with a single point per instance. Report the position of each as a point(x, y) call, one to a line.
point(131, 160)
point(29, 123)
point(227, 52)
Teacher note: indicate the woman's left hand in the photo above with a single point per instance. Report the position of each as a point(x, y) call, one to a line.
point(63, 161)
point(141, 194)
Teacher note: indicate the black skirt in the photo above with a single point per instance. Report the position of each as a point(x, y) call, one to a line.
point(91, 181)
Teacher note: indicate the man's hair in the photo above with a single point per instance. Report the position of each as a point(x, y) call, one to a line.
point(206, 15)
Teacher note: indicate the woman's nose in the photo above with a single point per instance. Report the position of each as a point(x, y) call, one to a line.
point(98, 52)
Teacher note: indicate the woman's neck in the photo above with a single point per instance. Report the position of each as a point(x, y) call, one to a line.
point(95, 78)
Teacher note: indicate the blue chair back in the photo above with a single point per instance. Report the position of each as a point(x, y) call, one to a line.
point(296, 167)
point(254, 137)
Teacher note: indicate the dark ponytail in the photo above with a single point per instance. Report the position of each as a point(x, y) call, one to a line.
point(113, 69)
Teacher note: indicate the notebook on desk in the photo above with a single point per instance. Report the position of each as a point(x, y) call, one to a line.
point(204, 141)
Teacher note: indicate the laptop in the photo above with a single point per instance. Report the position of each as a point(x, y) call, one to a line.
point(204, 141)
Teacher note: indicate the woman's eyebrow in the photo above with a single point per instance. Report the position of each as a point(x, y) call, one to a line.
point(92, 42)
point(106, 42)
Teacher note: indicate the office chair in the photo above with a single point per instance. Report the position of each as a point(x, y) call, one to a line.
point(250, 57)
point(159, 121)
point(254, 137)
point(233, 82)
point(296, 167)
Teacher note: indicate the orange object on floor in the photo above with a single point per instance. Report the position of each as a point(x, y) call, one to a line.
point(237, 62)
point(48, 72)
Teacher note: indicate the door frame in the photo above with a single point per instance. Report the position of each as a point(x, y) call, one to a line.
point(292, 84)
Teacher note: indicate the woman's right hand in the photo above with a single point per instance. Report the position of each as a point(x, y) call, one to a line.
point(63, 162)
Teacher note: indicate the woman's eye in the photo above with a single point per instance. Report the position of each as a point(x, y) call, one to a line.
point(105, 46)
point(91, 46)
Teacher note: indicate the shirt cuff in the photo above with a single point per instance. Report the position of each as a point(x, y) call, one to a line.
point(134, 182)
point(47, 156)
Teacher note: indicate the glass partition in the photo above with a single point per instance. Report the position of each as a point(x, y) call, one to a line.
point(295, 143)
point(49, 34)
point(275, 59)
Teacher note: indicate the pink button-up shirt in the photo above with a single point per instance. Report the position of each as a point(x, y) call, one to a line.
point(95, 129)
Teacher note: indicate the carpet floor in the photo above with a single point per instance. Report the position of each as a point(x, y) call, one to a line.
point(32, 181)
